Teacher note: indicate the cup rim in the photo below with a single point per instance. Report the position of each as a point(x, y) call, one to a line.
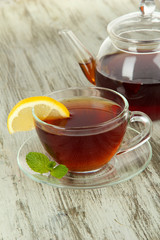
point(85, 128)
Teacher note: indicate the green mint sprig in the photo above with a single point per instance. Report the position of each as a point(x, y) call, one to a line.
point(40, 163)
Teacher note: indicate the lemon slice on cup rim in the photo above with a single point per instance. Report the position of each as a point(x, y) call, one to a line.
point(20, 117)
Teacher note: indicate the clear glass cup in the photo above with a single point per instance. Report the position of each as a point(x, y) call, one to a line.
point(88, 148)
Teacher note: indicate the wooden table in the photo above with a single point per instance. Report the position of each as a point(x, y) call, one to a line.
point(34, 61)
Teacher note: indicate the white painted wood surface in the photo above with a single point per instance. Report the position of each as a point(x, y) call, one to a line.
point(34, 61)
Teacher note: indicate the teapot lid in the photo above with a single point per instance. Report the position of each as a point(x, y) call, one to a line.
point(137, 32)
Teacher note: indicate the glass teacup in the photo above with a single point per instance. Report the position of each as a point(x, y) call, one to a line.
point(93, 134)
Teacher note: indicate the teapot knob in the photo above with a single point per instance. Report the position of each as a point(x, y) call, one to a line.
point(147, 7)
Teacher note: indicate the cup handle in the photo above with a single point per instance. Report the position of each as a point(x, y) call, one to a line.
point(140, 138)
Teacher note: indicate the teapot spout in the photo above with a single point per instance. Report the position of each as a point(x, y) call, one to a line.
point(84, 58)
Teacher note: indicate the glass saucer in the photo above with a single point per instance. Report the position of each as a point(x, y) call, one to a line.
point(121, 168)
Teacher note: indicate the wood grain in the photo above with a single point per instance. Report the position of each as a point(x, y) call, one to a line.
point(35, 61)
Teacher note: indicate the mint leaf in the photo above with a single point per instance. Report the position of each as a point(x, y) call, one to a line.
point(51, 165)
point(38, 162)
point(59, 171)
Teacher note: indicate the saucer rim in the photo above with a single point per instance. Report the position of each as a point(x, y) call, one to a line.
point(61, 185)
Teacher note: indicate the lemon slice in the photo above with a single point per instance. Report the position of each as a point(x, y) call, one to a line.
point(21, 119)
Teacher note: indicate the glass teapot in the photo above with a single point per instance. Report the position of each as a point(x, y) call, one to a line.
point(128, 60)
